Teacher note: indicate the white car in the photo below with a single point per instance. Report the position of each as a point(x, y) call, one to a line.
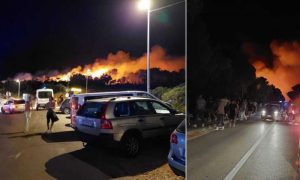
point(12, 106)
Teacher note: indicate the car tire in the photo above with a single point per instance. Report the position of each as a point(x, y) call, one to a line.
point(2, 110)
point(131, 144)
point(37, 107)
point(66, 110)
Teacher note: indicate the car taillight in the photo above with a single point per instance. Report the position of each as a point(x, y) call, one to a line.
point(174, 139)
point(105, 123)
point(293, 112)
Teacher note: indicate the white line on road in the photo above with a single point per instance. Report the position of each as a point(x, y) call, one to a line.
point(238, 166)
point(18, 155)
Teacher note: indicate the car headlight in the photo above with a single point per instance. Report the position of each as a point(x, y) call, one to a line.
point(263, 112)
point(275, 113)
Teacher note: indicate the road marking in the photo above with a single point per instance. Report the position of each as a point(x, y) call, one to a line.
point(18, 155)
point(238, 166)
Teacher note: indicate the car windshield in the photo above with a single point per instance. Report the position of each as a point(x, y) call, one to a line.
point(272, 107)
point(45, 94)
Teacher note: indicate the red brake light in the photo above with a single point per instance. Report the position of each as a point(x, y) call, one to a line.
point(105, 123)
point(173, 138)
point(293, 112)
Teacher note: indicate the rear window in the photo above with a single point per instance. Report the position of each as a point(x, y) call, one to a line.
point(19, 101)
point(91, 109)
point(181, 127)
point(45, 94)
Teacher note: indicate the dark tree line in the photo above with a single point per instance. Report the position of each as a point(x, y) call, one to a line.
point(103, 83)
point(217, 66)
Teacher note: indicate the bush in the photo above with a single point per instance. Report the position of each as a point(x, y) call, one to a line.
point(176, 97)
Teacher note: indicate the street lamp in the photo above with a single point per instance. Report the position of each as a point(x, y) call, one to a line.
point(87, 79)
point(19, 82)
point(146, 5)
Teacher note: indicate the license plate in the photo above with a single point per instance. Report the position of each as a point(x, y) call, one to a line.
point(87, 122)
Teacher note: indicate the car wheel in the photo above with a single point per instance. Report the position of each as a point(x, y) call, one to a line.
point(66, 110)
point(2, 110)
point(131, 145)
point(37, 107)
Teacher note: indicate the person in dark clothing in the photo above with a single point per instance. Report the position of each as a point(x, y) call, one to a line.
point(232, 111)
point(51, 115)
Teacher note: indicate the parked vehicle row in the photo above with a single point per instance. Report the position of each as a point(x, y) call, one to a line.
point(123, 119)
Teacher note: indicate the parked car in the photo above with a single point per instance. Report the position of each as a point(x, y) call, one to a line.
point(126, 121)
point(79, 99)
point(176, 157)
point(65, 106)
point(13, 106)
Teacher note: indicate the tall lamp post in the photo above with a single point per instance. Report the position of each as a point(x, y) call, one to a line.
point(146, 5)
point(19, 82)
point(87, 79)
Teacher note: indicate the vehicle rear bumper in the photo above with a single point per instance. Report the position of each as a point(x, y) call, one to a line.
point(105, 139)
point(176, 164)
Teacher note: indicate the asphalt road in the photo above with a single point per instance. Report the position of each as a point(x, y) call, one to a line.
point(253, 150)
point(61, 155)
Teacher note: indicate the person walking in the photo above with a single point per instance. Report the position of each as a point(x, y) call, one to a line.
point(27, 113)
point(201, 104)
point(51, 115)
point(232, 113)
point(221, 113)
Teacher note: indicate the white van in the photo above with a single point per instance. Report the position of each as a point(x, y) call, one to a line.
point(42, 97)
point(79, 99)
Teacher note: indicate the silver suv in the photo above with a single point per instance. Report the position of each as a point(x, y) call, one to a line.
point(127, 120)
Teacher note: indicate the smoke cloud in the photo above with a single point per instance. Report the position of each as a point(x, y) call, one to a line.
point(118, 65)
point(285, 69)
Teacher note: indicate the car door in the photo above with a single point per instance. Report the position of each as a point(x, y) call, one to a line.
point(146, 119)
point(167, 116)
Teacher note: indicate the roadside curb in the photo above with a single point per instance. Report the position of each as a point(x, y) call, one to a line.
point(192, 134)
point(198, 132)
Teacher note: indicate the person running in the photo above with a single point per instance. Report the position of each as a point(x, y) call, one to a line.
point(27, 113)
point(232, 113)
point(51, 115)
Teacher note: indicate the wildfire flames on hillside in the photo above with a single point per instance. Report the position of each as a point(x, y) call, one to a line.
point(284, 72)
point(119, 66)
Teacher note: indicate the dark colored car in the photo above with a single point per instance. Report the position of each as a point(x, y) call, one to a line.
point(65, 106)
point(271, 111)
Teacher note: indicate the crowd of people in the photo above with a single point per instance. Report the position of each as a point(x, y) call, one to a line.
point(214, 112)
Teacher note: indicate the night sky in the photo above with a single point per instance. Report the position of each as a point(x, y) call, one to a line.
point(45, 35)
point(249, 20)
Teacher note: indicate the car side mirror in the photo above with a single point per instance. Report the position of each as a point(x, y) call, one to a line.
point(173, 111)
